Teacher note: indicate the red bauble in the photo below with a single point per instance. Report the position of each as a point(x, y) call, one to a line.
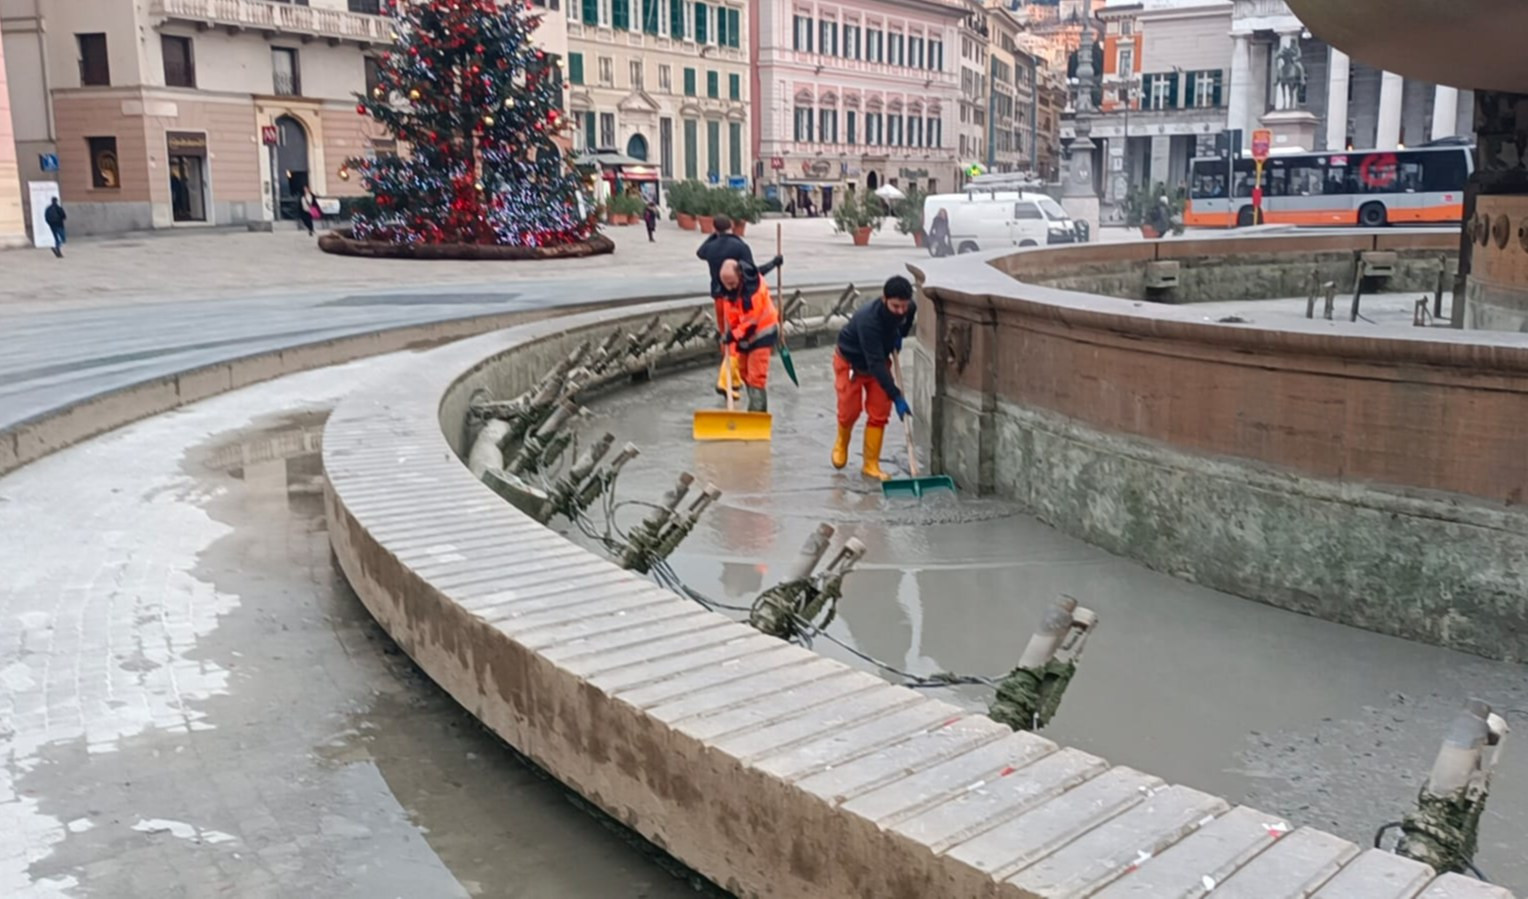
point(360, 109)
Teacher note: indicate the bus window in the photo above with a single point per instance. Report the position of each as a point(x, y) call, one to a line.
point(1306, 179)
point(1243, 182)
point(1209, 182)
point(1445, 171)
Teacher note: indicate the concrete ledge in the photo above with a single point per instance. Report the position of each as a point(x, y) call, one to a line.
point(770, 770)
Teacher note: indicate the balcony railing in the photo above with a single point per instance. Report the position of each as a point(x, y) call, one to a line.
point(281, 18)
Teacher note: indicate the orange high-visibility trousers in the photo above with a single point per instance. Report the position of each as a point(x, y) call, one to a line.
point(856, 392)
point(755, 365)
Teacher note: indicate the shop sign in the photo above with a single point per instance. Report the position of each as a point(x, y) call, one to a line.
point(186, 142)
point(268, 135)
point(817, 168)
point(912, 174)
point(737, 182)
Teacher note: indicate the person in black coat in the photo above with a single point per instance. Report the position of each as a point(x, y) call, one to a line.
point(862, 372)
point(55, 216)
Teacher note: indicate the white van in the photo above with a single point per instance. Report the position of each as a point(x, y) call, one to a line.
point(988, 220)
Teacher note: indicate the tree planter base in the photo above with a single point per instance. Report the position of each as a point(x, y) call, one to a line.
point(686, 222)
point(707, 225)
point(862, 237)
point(342, 244)
point(739, 228)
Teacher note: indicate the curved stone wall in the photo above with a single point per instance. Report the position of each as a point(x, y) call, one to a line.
point(1374, 477)
point(773, 771)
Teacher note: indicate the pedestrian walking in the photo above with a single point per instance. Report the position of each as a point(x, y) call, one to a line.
point(862, 374)
point(939, 235)
point(307, 210)
point(55, 216)
point(650, 218)
point(752, 326)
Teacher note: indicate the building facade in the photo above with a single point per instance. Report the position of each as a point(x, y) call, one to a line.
point(184, 113)
point(13, 229)
point(1177, 75)
point(664, 81)
point(975, 91)
point(854, 94)
point(1011, 136)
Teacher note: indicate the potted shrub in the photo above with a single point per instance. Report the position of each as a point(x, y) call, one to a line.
point(684, 202)
point(858, 214)
point(910, 215)
point(744, 210)
point(706, 203)
point(626, 209)
point(1145, 210)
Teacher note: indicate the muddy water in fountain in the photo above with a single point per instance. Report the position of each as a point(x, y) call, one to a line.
point(281, 745)
point(1331, 726)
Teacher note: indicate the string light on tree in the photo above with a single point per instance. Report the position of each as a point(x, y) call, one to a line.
point(482, 167)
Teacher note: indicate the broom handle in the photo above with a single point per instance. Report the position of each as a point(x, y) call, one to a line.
point(907, 423)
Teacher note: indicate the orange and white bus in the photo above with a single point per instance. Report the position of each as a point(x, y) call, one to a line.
point(1368, 188)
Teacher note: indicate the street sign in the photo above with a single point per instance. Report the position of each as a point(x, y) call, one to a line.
point(268, 135)
point(1262, 144)
point(48, 162)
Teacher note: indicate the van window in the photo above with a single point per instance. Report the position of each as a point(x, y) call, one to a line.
point(1025, 211)
point(1053, 210)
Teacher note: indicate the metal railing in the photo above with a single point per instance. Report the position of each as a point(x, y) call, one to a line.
point(280, 17)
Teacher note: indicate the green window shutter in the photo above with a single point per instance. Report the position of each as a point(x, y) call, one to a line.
point(735, 28)
point(700, 22)
point(1172, 91)
point(713, 148)
point(1146, 93)
point(713, 85)
point(1191, 93)
point(735, 147)
point(676, 20)
point(1216, 95)
point(590, 137)
point(591, 12)
point(576, 68)
point(849, 135)
point(691, 152)
point(689, 82)
point(650, 16)
point(620, 14)
point(723, 28)
point(735, 86)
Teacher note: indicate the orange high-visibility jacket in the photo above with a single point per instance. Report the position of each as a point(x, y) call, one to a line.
point(753, 320)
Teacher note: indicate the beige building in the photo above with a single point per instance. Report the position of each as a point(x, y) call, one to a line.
point(975, 97)
point(185, 113)
point(1008, 139)
point(663, 81)
point(13, 231)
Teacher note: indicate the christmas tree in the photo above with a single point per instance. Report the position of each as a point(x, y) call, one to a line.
point(476, 106)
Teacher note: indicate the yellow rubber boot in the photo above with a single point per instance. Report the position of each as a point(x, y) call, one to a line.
point(737, 378)
point(841, 446)
point(874, 437)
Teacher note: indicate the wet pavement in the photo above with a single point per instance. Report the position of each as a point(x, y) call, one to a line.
point(193, 702)
point(1330, 725)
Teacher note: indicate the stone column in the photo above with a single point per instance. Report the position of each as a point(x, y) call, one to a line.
point(1240, 112)
point(1161, 159)
point(1339, 71)
point(1391, 91)
point(1445, 117)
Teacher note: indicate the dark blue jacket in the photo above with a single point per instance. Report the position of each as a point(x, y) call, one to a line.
point(869, 339)
point(717, 249)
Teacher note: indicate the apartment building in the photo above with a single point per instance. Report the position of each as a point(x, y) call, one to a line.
point(1010, 137)
point(975, 91)
point(664, 81)
point(183, 113)
point(853, 94)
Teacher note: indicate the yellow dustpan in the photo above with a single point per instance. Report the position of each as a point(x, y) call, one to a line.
point(730, 424)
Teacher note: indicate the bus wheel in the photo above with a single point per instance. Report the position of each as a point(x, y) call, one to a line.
point(1244, 217)
point(1372, 215)
point(967, 247)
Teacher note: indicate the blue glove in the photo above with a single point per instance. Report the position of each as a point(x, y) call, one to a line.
point(903, 410)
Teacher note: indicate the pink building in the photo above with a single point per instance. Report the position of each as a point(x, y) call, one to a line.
point(12, 224)
point(853, 94)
